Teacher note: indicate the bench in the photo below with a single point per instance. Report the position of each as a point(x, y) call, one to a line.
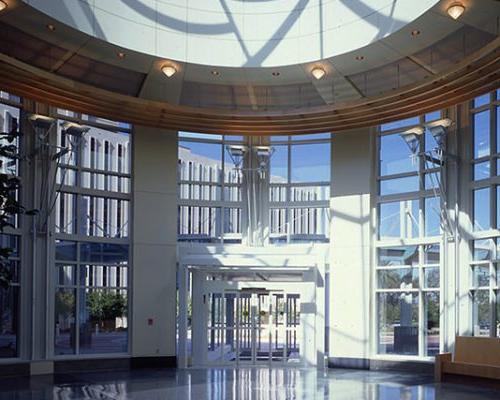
point(478, 357)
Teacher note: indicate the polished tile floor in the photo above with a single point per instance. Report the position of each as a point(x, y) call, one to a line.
point(245, 383)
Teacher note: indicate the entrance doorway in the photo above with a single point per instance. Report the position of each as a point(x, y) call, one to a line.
point(253, 326)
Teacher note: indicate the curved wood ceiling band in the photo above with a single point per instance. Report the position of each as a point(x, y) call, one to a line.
point(474, 75)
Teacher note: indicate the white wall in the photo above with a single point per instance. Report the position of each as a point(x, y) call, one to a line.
point(154, 242)
point(350, 255)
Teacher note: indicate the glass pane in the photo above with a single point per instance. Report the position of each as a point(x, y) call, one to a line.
point(482, 134)
point(66, 213)
point(481, 313)
point(65, 275)
point(482, 100)
point(109, 276)
point(482, 171)
point(103, 217)
point(482, 220)
point(401, 278)
point(277, 193)
point(399, 219)
point(232, 221)
point(205, 192)
point(432, 326)
point(310, 193)
point(103, 321)
point(279, 165)
point(65, 250)
point(9, 321)
point(309, 224)
point(498, 133)
point(395, 156)
point(431, 254)
point(400, 124)
point(432, 214)
point(432, 116)
point(104, 253)
point(432, 180)
point(232, 193)
point(199, 223)
point(200, 161)
point(397, 255)
point(481, 275)
point(205, 136)
point(310, 162)
point(65, 321)
point(400, 185)
point(311, 136)
point(398, 323)
point(9, 123)
point(431, 277)
point(482, 249)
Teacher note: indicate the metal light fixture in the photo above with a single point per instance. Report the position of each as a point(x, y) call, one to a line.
point(456, 10)
point(74, 129)
point(168, 70)
point(318, 72)
point(41, 121)
point(264, 154)
point(412, 138)
point(438, 129)
point(3, 5)
point(237, 154)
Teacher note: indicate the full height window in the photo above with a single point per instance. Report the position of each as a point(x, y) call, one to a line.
point(410, 222)
point(10, 298)
point(300, 188)
point(485, 215)
point(210, 199)
point(91, 216)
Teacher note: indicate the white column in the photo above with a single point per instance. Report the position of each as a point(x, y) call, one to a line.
point(154, 243)
point(350, 268)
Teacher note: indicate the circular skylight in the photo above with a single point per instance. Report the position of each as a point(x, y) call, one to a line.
point(237, 33)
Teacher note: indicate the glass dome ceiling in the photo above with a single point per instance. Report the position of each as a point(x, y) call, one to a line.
point(237, 33)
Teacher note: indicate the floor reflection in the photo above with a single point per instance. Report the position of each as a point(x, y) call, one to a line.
point(239, 384)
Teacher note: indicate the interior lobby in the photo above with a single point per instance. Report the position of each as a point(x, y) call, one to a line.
point(250, 199)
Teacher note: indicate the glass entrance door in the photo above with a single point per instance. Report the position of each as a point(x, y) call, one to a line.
point(254, 326)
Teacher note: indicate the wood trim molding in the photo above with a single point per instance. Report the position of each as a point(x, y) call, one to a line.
point(474, 75)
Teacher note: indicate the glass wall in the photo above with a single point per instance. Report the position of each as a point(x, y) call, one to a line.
point(300, 188)
point(10, 296)
point(92, 213)
point(410, 223)
point(485, 215)
point(209, 189)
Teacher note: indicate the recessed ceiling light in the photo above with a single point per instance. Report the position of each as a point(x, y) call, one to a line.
point(318, 72)
point(415, 32)
point(456, 10)
point(214, 72)
point(51, 27)
point(168, 70)
point(3, 5)
point(276, 73)
point(359, 58)
point(121, 55)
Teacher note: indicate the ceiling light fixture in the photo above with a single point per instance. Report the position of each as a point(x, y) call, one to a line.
point(318, 72)
point(415, 32)
point(121, 55)
point(51, 27)
point(3, 5)
point(360, 58)
point(168, 70)
point(276, 73)
point(456, 10)
point(214, 72)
